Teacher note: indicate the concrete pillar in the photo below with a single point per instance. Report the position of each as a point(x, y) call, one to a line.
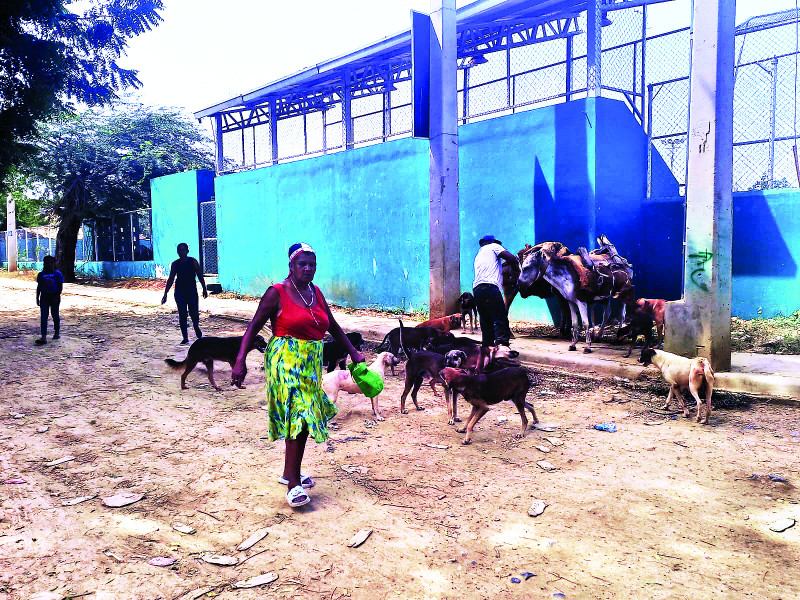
point(699, 324)
point(445, 272)
point(594, 47)
point(11, 236)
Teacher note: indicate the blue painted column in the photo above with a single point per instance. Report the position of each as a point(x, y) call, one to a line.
point(700, 323)
point(445, 273)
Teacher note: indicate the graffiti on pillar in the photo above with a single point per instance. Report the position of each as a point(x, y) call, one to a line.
point(698, 276)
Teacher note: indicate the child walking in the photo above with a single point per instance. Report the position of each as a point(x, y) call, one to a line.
point(49, 283)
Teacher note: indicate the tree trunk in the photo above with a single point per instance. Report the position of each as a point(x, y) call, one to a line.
point(66, 240)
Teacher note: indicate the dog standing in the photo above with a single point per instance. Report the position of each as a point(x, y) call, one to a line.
point(443, 323)
point(640, 324)
point(694, 374)
point(208, 349)
point(429, 364)
point(655, 308)
point(338, 381)
point(482, 391)
point(469, 308)
point(334, 353)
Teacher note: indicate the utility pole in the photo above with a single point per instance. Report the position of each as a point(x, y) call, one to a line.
point(11, 239)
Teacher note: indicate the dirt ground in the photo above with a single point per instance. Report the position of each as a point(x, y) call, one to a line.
point(663, 508)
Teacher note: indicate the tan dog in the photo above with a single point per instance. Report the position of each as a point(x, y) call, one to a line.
point(444, 323)
point(694, 374)
point(342, 380)
point(655, 308)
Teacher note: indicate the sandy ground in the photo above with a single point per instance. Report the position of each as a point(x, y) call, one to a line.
point(663, 508)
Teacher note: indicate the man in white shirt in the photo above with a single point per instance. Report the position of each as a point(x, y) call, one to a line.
point(487, 290)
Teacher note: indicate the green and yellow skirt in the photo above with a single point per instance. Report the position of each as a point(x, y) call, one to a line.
point(293, 372)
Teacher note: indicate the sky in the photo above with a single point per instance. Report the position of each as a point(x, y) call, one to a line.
point(207, 51)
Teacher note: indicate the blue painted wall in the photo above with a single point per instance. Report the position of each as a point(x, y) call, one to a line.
point(174, 200)
point(117, 270)
point(364, 211)
point(566, 172)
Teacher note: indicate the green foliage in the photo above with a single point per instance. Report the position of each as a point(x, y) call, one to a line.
point(95, 164)
point(778, 335)
point(49, 55)
point(29, 210)
point(765, 184)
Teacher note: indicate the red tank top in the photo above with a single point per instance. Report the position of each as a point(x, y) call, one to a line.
point(297, 321)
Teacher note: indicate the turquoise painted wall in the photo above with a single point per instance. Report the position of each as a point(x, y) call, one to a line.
point(174, 200)
point(364, 211)
point(117, 270)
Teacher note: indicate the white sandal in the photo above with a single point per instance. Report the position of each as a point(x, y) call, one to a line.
point(305, 481)
point(297, 492)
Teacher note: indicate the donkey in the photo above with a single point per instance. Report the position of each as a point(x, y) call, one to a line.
point(539, 288)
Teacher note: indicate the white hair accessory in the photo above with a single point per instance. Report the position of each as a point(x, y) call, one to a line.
point(302, 248)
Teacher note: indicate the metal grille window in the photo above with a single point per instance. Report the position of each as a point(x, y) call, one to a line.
point(208, 237)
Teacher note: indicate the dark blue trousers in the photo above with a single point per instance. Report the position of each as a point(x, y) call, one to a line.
point(187, 303)
point(48, 305)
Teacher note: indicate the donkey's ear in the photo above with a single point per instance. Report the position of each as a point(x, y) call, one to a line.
point(604, 239)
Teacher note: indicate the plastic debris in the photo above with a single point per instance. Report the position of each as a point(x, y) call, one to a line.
point(123, 499)
point(16, 480)
point(782, 524)
point(42, 429)
point(437, 446)
point(183, 528)
point(546, 465)
point(778, 478)
point(527, 575)
point(161, 561)
point(547, 393)
point(544, 449)
point(59, 461)
point(252, 540)
point(502, 419)
point(537, 508)
point(355, 469)
point(515, 580)
point(18, 416)
point(219, 559)
point(609, 427)
point(654, 422)
point(359, 538)
point(256, 581)
point(75, 501)
point(555, 441)
point(110, 554)
point(559, 595)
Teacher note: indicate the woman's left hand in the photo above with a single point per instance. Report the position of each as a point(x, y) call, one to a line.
point(358, 357)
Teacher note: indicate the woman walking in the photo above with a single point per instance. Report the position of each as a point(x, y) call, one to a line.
point(299, 317)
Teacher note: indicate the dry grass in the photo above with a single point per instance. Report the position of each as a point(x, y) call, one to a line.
point(24, 274)
point(778, 335)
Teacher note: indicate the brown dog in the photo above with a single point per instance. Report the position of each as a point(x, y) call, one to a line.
point(694, 374)
point(444, 323)
point(208, 349)
point(654, 308)
point(482, 391)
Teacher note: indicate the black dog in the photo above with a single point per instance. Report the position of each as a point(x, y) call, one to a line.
point(410, 339)
point(429, 364)
point(333, 353)
point(208, 349)
point(468, 309)
point(641, 324)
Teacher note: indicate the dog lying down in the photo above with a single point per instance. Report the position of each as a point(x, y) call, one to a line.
point(208, 349)
point(337, 381)
point(694, 374)
point(484, 390)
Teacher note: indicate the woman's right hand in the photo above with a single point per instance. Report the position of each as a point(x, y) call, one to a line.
point(238, 373)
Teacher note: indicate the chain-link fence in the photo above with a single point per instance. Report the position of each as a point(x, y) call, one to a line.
point(764, 104)
point(521, 76)
point(208, 237)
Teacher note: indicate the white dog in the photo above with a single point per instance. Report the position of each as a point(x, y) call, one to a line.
point(694, 374)
point(342, 380)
